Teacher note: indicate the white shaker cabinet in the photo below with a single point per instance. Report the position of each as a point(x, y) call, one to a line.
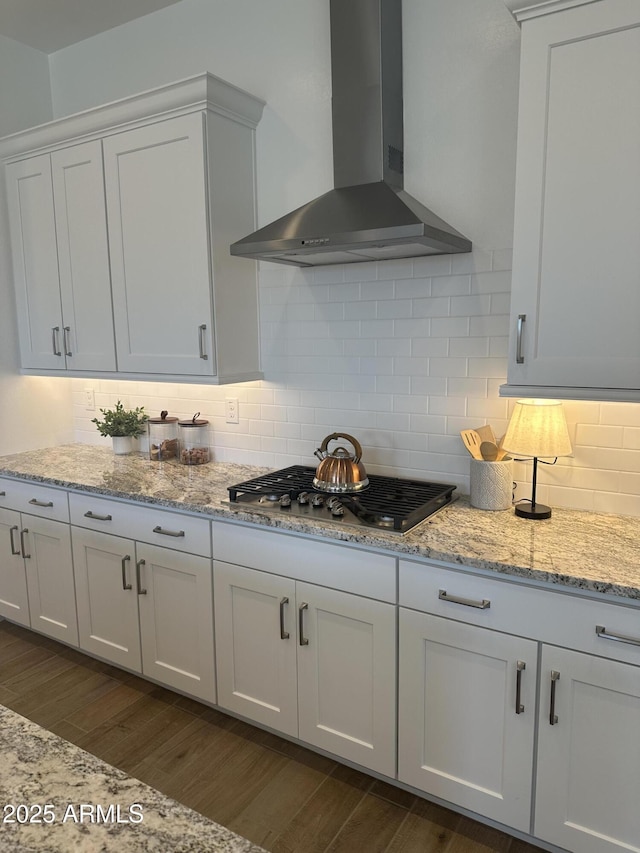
point(60, 259)
point(315, 663)
point(588, 780)
point(467, 715)
point(36, 572)
point(147, 287)
point(142, 606)
point(164, 272)
point(575, 298)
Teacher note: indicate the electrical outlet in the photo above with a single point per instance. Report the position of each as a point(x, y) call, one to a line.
point(89, 400)
point(233, 414)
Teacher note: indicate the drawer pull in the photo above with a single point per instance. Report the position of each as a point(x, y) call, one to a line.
point(304, 641)
point(553, 717)
point(140, 589)
point(468, 602)
point(55, 331)
point(520, 667)
point(125, 560)
point(519, 329)
point(15, 551)
point(176, 533)
point(36, 502)
point(284, 635)
point(23, 547)
point(602, 632)
point(65, 340)
point(96, 517)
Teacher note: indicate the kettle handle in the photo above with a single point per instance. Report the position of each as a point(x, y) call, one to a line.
point(334, 436)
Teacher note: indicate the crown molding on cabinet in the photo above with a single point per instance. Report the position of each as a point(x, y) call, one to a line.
point(200, 92)
point(522, 10)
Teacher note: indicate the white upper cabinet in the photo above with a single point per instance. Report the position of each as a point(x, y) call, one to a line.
point(61, 261)
point(123, 266)
point(576, 267)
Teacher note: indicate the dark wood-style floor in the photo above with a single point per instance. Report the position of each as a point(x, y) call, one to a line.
point(275, 793)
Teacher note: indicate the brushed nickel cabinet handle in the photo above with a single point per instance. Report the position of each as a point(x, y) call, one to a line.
point(124, 562)
point(96, 517)
point(176, 533)
point(602, 632)
point(201, 341)
point(519, 331)
point(36, 502)
point(55, 331)
point(483, 604)
point(23, 547)
point(553, 717)
point(15, 551)
point(520, 667)
point(65, 340)
point(140, 589)
point(284, 635)
point(3, 494)
point(304, 641)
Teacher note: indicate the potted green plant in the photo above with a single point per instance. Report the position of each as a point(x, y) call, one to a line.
point(122, 425)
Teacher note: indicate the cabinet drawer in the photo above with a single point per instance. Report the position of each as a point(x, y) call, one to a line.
point(43, 501)
point(336, 566)
point(514, 607)
point(157, 527)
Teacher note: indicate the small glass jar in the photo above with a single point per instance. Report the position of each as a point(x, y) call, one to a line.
point(163, 438)
point(194, 441)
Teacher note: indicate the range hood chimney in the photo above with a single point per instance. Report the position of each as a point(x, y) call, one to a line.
point(368, 216)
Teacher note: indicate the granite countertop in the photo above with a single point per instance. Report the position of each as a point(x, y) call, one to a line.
point(39, 768)
point(591, 551)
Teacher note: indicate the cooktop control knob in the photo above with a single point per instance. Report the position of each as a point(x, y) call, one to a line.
point(285, 501)
point(303, 498)
point(317, 500)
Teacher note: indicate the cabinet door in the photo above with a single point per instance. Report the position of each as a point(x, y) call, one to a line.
point(256, 646)
point(576, 248)
point(175, 603)
point(588, 783)
point(35, 262)
point(14, 602)
point(83, 257)
point(104, 569)
point(158, 234)
point(346, 676)
point(465, 729)
point(48, 560)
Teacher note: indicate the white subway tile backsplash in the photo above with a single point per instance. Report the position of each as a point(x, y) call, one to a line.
point(403, 355)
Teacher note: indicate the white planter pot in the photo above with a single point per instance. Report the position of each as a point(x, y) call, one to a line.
point(122, 444)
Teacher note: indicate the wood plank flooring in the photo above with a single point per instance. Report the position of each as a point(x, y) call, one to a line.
point(277, 794)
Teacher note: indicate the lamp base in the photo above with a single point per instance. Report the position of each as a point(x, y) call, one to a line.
point(533, 511)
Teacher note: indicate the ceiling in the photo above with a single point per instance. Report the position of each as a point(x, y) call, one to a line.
point(49, 25)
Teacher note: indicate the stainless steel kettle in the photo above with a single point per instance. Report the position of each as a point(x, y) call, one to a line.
point(340, 471)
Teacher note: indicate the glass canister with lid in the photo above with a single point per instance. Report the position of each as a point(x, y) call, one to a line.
point(194, 441)
point(163, 437)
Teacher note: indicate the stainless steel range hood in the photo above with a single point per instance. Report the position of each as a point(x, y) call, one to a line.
point(368, 216)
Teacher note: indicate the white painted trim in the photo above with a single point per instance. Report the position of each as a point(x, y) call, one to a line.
point(613, 395)
point(523, 10)
point(200, 92)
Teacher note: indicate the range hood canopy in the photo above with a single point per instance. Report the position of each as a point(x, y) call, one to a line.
point(368, 215)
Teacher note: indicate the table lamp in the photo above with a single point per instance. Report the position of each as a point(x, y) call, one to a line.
point(537, 428)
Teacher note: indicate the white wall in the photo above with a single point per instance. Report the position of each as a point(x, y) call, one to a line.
point(34, 412)
point(401, 354)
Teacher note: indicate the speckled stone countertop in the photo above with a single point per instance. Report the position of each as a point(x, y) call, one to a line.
point(584, 550)
point(92, 806)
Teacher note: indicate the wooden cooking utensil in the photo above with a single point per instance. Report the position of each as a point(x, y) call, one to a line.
point(472, 442)
point(489, 451)
point(486, 433)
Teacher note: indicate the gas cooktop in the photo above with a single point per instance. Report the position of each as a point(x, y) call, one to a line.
point(388, 503)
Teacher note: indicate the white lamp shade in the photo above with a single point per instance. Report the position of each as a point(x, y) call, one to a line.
point(537, 428)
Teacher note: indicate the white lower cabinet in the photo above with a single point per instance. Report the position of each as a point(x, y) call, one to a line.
point(467, 715)
point(146, 608)
point(588, 781)
point(314, 663)
point(36, 574)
